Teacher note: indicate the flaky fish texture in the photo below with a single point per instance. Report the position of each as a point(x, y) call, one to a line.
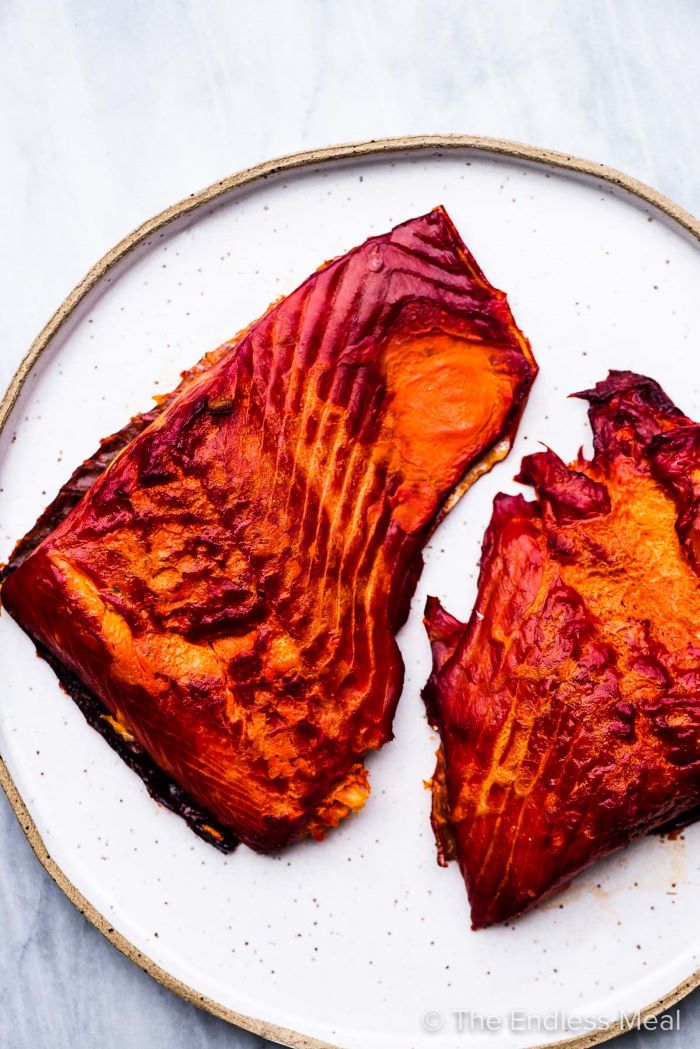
point(569, 706)
point(230, 585)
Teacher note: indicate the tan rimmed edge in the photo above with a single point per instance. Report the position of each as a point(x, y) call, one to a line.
point(374, 147)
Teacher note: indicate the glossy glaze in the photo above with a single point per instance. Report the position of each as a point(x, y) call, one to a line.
point(231, 585)
point(568, 706)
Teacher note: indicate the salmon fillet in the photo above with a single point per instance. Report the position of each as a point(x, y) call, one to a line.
point(229, 586)
point(568, 706)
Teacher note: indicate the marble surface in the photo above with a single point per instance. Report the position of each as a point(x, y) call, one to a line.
point(109, 112)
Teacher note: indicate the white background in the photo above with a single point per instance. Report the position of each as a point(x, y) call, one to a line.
point(109, 111)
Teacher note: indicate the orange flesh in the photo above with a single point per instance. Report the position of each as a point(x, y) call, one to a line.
point(230, 587)
point(569, 706)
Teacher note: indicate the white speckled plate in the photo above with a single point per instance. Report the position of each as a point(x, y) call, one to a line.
point(361, 941)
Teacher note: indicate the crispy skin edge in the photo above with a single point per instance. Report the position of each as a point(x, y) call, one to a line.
point(159, 785)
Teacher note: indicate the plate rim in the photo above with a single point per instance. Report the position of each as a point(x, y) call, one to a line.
point(189, 205)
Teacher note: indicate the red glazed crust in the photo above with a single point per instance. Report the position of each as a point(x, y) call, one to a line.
point(230, 585)
point(569, 705)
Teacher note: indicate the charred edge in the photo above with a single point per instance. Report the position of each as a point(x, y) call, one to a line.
point(159, 785)
point(629, 384)
point(75, 488)
point(429, 702)
point(674, 827)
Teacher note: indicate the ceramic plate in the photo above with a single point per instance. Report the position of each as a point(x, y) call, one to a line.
point(360, 941)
